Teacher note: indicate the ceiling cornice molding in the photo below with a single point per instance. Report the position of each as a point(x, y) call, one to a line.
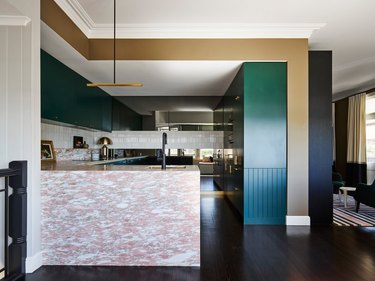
point(201, 31)
point(189, 31)
point(14, 20)
point(78, 15)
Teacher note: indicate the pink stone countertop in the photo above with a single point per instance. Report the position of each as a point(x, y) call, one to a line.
point(129, 218)
point(98, 166)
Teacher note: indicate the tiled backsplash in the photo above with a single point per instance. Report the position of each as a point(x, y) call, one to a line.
point(151, 139)
point(73, 154)
point(62, 138)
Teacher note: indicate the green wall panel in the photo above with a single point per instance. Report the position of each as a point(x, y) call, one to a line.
point(66, 98)
point(265, 114)
point(265, 135)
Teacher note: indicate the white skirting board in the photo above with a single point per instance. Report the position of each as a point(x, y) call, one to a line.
point(298, 220)
point(34, 262)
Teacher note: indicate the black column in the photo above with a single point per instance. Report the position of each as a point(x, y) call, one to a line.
point(320, 137)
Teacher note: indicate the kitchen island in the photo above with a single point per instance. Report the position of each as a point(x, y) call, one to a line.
point(121, 215)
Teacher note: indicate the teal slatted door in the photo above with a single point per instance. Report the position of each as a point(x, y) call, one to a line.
point(265, 120)
point(265, 191)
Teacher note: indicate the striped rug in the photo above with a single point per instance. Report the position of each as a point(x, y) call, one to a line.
point(348, 217)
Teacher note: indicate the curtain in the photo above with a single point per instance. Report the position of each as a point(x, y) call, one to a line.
point(356, 153)
point(333, 138)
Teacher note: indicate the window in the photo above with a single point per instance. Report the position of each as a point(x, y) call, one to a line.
point(190, 152)
point(206, 153)
point(370, 128)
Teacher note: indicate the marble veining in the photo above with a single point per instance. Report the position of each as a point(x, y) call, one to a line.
point(63, 154)
point(121, 218)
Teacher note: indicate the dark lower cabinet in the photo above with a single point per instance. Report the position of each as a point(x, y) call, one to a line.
point(219, 152)
point(233, 141)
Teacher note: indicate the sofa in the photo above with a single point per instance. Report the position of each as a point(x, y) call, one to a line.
point(365, 194)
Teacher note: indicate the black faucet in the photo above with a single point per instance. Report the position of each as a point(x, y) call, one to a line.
point(163, 163)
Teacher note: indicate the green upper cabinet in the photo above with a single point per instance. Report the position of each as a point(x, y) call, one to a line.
point(125, 119)
point(66, 98)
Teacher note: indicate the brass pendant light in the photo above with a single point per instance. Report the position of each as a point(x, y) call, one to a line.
point(114, 84)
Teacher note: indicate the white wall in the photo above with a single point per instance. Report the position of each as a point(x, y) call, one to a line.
point(62, 137)
point(20, 108)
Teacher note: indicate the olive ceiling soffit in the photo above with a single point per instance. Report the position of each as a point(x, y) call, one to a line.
point(92, 30)
point(10, 16)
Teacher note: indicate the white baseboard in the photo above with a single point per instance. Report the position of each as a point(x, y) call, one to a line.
point(297, 220)
point(34, 262)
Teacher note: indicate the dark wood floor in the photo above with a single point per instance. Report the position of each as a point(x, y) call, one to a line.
point(230, 251)
point(207, 184)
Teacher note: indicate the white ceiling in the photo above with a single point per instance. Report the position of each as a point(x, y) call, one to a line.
point(346, 28)
point(146, 105)
point(160, 78)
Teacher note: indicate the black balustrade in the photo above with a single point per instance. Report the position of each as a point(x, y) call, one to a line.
point(15, 212)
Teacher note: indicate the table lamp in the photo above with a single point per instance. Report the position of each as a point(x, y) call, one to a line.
point(104, 150)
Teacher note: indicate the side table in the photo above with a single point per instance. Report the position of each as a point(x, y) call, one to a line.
point(344, 190)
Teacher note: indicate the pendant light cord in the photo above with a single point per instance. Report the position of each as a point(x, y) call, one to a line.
point(114, 41)
point(114, 61)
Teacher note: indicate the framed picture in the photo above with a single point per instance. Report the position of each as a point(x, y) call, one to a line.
point(77, 142)
point(47, 151)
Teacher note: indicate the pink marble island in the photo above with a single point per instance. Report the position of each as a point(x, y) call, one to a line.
point(120, 215)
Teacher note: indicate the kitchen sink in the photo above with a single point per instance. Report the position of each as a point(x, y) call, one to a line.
point(158, 167)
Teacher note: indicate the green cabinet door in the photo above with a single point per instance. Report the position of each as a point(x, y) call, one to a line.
point(265, 129)
point(233, 141)
point(66, 98)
